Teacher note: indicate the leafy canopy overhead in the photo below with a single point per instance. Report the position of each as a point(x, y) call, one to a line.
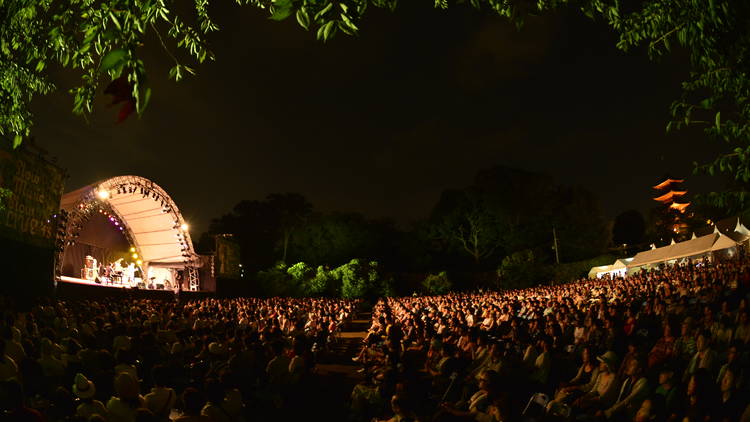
point(102, 39)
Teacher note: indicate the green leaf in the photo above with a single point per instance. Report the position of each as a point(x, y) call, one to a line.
point(349, 22)
point(280, 13)
point(146, 99)
point(115, 20)
point(303, 18)
point(17, 139)
point(718, 120)
point(328, 30)
point(112, 59)
point(323, 12)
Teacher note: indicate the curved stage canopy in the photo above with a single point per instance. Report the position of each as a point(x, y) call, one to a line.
point(145, 214)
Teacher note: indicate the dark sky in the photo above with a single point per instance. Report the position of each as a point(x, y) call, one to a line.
point(383, 122)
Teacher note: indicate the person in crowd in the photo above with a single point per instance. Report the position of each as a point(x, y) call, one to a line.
point(161, 400)
point(633, 391)
point(8, 367)
point(84, 389)
point(666, 394)
point(192, 404)
point(122, 406)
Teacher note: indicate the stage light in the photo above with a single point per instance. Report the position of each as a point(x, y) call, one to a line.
point(103, 194)
point(132, 249)
point(139, 262)
point(135, 256)
point(184, 226)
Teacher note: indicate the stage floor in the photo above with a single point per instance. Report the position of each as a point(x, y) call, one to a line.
point(66, 279)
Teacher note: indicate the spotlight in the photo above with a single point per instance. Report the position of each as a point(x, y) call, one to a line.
point(184, 226)
point(139, 262)
point(132, 249)
point(103, 194)
point(135, 256)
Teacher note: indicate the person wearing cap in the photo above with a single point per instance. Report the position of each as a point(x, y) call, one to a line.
point(599, 393)
point(85, 389)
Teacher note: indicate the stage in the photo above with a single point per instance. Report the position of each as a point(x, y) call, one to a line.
point(126, 233)
point(67, 279)
point(78, 288)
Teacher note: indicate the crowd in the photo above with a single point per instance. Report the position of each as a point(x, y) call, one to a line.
point(148, 360)
point(667, 345)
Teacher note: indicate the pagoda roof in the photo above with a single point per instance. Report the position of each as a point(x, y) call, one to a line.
point(667, 182)
point(670, 195)
point(679, 207)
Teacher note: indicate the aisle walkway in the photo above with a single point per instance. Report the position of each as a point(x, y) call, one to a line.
point(336, 374)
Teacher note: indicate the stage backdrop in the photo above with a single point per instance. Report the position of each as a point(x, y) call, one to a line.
point(99, 238)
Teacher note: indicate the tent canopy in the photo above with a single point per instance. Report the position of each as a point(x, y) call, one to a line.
point(692, 247)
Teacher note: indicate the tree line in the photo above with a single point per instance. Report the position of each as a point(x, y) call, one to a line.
point(490, 233)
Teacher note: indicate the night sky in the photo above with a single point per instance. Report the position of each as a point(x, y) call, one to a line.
point(383, 122)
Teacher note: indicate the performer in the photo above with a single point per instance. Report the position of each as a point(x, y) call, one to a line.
point(130, 274)
point(108, 273)
point(117, 270)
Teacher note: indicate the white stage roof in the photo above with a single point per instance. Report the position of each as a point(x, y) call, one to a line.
point(152, 221)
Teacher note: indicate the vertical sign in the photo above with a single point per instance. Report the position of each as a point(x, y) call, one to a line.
point(36, 187)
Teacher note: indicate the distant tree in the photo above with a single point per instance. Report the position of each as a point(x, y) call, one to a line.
point(333, 239)
point(507, 210)
point(361, 279)
point(578, 218)
point(517, 270)
point(437, 284)
point(464, 219)
point(629, 228)
point(263, 227)
point(292, 211)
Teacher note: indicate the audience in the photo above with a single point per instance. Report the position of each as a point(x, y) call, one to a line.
point(671, 344)
point(199, 360)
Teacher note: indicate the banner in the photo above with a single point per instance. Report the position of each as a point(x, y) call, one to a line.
point(36, 186)
point(228, 264)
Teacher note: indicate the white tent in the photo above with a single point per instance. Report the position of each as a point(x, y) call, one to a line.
point(696, 247)
point(618, 268)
